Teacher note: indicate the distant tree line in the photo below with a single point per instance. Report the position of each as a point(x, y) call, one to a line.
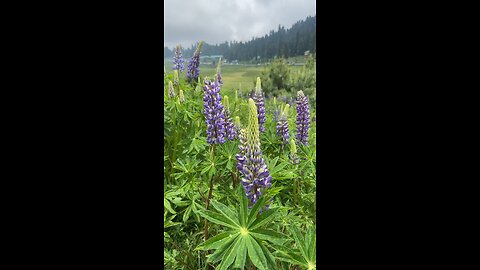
point(284, 43)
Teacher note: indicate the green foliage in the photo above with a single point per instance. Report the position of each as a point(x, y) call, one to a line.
point(276, 77)
point(245, 235)
point(305, 251)
point(265, 240)
point(280, 79)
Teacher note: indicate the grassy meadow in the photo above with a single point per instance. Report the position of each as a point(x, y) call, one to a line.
point(233, 76)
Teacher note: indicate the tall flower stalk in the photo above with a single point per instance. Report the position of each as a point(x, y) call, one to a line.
point(237, 125)
point(178, 61)
point(218, 75)
point(276, 111)
point(259, 99)
point(295, 161)
point(213, 111)
point(293, 153)
point(303, 118)
point(230, 130)
point(215, 118)
point(171, 90)
point(282, 125)
point(181, 97)
point(176, 80)
point(255, 175)
point(193, 70)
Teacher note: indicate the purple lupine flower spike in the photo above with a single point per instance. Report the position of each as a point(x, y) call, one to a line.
point(255, 175)
point(229, 127)
point(303, 118)
point(193, 70)
point(213, 111)
point(178, 61)
point(260, 103)
point(282, 125)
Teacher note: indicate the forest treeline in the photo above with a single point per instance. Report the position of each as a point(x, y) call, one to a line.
point(284, 43)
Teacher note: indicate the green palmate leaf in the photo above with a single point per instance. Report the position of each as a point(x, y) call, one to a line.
point(290, 258)
point(194, 209)
point(269, 235)
point(241, 254)
point(217, 218)
point(168, 223)
point(179, 202)
point(270, 258)
point(186, 214)
point(255, 253)
point(219, 253)
point(243, 206)
point(299, 241)
point(167, 205)
point(264, 218)
point(229, 255)
point(206, 169)
point(229, 214)
point(274, 190)
point(311, 245)
point(255, 209)
point(217, 241)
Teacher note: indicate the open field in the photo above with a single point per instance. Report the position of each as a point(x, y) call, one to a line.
point(232, 75)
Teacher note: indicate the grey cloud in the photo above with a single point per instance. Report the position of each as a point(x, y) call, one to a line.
point(217, 21)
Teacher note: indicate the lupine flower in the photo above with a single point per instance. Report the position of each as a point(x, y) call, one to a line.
point(218, 76)
point(250, 95)
point(181, 97)
point(193, 70)
point(260, 103)
point(237, 125)
point(171, 90)
point(178, 60)
point(229, 127)
point(282, 125)
point(293, 153)
point(213, 111)
point(303, 118)
point(276, 110)
point(291, 101)
point(175, 77)
point(255, 175)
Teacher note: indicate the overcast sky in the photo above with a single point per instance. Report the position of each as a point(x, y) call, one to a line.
point(217, 21)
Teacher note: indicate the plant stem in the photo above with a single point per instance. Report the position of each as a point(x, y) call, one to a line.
point(295, 191)
point(209, 197)
point(233, 180)
point(206, 206)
